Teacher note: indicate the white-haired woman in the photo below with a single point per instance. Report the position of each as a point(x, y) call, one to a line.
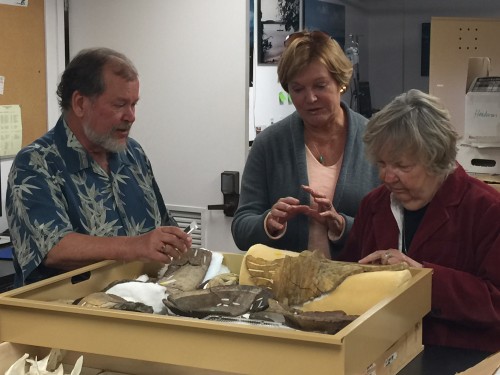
point(431, 213)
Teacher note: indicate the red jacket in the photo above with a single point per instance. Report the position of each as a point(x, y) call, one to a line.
point(459, 238)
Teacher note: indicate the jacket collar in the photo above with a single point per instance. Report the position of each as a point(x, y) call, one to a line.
point(438, 213)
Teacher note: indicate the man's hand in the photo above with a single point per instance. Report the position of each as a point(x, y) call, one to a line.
point(162, 244)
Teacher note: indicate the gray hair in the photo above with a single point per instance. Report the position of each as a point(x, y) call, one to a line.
point(414, 124)
point(84, 73)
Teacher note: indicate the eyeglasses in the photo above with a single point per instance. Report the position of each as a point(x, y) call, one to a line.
point(301, 34)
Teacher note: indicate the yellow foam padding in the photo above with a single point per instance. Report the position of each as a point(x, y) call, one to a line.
point(359, 292)
point(264, 252)
point(355, 295)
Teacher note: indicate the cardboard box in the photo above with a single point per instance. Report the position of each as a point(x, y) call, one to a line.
point(482, 112)
point(480, 149)
point(479, 160)
point(34, 315)
point(490, 179)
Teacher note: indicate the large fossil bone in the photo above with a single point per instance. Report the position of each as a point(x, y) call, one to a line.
point(295, 280)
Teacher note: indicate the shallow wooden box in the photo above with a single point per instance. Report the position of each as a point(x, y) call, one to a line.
point(30, 315)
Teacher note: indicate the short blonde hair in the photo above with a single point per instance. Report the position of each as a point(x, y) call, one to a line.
point(414, 124)
point(304, 47)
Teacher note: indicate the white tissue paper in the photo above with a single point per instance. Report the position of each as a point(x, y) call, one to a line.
point(150, 294)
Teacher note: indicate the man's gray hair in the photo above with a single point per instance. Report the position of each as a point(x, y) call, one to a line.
point(84, 73)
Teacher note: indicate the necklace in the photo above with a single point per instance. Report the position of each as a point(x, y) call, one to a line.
point(320, 157)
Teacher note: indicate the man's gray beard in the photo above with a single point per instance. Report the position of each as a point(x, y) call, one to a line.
point(105, 140)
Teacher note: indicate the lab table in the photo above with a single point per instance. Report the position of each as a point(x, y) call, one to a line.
point(438, 360)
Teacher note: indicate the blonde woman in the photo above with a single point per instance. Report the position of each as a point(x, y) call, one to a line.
point(306, 175)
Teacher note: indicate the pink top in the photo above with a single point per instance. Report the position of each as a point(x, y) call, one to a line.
point(322, 179)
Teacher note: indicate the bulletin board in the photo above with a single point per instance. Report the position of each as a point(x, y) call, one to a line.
point(23, 65)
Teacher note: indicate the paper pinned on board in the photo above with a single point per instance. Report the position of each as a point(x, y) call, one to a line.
point(19, 3)
point(2, 84)
point(11, 130)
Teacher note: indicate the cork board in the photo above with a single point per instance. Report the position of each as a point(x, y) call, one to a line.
point(22, 64)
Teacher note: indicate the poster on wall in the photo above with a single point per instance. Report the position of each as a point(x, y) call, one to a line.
point(327, 17)
point(276, 19)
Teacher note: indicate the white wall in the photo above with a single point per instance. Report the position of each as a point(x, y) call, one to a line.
point(193, 115)
point(192, 57)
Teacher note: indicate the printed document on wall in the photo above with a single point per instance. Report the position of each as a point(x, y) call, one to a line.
point(11, 130)
point(18, 3)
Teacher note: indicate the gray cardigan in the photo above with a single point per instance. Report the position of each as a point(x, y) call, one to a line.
point(276, 167)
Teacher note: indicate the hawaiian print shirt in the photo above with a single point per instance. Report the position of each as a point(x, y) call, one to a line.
point(55, 188)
